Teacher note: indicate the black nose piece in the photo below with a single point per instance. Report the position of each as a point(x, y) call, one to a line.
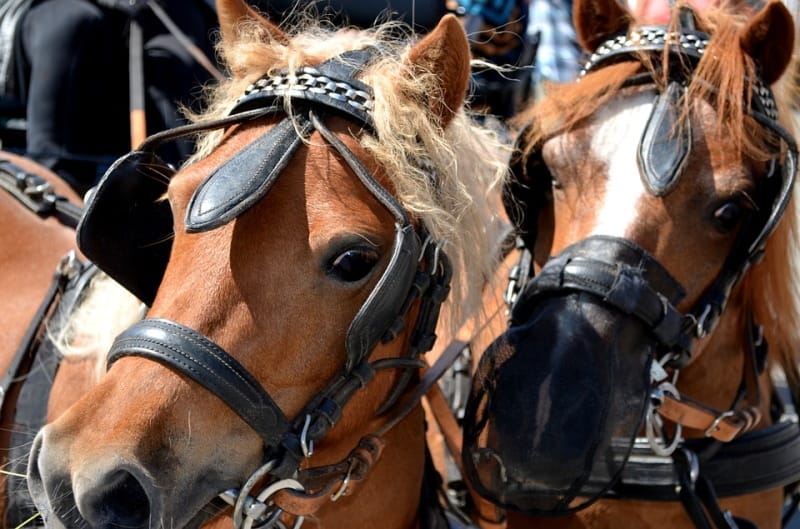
point(118, 501)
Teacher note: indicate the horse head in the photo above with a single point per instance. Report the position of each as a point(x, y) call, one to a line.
point(645, 191)
point(294, 269)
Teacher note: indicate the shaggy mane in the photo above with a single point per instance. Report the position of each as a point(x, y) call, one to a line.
point(771, 287)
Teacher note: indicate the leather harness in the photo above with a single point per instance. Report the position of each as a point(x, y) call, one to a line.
point(734, 460)
point(25, 387)
point(418, 271)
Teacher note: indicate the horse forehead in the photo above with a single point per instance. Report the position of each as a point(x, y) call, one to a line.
point(616, 135)
point(336, 198)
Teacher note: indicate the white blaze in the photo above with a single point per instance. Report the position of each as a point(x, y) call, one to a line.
point(616, 142)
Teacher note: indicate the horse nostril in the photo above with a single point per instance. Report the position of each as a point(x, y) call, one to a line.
point(120, 502)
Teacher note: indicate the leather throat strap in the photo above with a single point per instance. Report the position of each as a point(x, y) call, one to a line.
point(722, 425)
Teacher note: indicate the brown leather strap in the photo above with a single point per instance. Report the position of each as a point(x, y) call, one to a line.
point(722, 425)
point(327, 483)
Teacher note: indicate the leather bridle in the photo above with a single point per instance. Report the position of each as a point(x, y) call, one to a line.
point(418, 274)
point(637, 286)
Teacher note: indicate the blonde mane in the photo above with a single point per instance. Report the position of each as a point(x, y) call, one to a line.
point(462, 210)
point(771, 287)
point(105, 311)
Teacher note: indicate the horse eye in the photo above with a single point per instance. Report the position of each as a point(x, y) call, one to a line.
point(353, 264)
point(727, 216)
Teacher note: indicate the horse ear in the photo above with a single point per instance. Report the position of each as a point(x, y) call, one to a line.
point(769, 39)
point(445, 52)
point(597, 20)
point(232, 12)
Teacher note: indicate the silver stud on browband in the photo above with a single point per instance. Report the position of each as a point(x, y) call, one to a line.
point(643, 37)
point(286, 83)
point(694, 44)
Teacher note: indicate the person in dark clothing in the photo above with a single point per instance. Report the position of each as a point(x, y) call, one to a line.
point(72, 66)
point(423, 15)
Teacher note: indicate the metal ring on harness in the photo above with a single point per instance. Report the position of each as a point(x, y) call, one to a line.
point(240, 497)
point(273, 517)
point(653, 427)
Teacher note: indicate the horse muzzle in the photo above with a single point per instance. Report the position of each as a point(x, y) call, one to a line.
point(559, 398)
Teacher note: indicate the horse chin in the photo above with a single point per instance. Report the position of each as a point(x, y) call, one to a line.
point(580, 372)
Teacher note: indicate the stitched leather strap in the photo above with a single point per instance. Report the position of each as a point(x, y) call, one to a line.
point(189, 352)
point(753, 462)
point(624, 277)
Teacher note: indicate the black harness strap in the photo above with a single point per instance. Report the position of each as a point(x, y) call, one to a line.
point(197, 357)
point(65, 270)
point(37, 194)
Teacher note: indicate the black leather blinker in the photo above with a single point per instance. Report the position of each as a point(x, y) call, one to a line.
point(380, 309)
point(126, 228)
point(666, 142)
point(244, 179)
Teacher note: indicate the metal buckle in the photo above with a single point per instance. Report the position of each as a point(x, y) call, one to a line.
point(69, 265)
point(700, 329)
point(342, 490)
point(305, 445)
point(715, 425)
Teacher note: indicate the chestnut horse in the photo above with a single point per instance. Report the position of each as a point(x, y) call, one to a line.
point(338, 181)
point(40, 212)
point(634, 388)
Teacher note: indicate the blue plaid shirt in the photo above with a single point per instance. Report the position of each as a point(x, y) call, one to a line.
point(558, 57)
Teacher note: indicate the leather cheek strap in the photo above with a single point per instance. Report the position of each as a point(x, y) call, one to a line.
point(189, 352)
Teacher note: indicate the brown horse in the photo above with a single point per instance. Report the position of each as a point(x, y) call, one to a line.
point(34, 256)
point(312, 236)
point(647, 189)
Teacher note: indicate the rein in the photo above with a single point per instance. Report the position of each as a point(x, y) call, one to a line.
point(25, 387)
